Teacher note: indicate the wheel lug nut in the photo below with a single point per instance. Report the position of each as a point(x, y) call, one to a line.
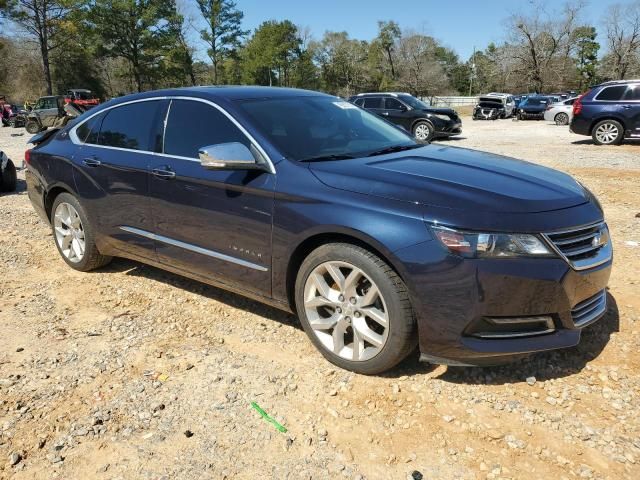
point(339, 310)
point(357, 314)
point(347, 319)
point(353, 300)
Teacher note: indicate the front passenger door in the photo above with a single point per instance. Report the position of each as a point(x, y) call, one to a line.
point(398, 113)
point(214, 223)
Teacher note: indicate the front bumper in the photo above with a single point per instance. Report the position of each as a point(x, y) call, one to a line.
point(531, 115)
point(454, 296)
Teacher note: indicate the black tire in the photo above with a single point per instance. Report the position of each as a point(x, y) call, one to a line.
point(561, 119)
point(32, 127)
point(401, 337)
point(92, 258)
point(423, 124)
point(599, 139)
point(8, 178)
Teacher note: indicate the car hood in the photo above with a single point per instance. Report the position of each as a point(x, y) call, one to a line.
point(439, 111)
point(455, 178)
point(533, 108)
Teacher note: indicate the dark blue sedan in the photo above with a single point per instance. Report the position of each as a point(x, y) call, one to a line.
point(311, 204)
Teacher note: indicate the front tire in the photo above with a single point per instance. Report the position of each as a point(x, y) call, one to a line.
point(74, 234)
point(608, 132)
point(423, 131)
point(561, 119)
point(8, 178)
point(355, 308)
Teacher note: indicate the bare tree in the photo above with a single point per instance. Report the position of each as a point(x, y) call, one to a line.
point(623, 37)
point(418, 70)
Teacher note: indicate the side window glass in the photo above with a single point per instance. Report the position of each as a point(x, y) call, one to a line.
point(192, 125)
point(612, 93)
point(130, 126)
point(373, 102)
point(633, 93)
point(360, 102)
point(89, 130)
point(393, 104)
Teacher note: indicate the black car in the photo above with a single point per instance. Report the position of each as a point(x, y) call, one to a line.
point(533, 107)
point(415, 116)
point(608, 112)
point(7, 173)
point(489, 109)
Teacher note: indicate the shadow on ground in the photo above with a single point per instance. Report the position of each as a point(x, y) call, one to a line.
point(544, 366)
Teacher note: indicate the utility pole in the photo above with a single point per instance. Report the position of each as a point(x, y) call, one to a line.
point(473, 70)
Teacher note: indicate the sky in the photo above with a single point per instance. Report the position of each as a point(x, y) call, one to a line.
point(458, 24)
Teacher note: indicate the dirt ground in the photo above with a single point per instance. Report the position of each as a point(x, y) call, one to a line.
point(133, 373)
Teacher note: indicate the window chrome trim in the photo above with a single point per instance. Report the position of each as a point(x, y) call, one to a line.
point(76, 141)
point(194, 248)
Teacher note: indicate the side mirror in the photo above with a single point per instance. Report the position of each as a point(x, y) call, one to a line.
point(228, 156)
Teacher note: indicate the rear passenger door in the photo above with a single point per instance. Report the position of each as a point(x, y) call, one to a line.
point(112, 173)
point(215, 223)
point(632, 107)
point(374, 105)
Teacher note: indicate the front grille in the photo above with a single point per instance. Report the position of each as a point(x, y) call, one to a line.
point(583, 247)
point(589, 310)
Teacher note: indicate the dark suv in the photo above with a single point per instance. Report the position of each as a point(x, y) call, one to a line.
point(609, 112)
point(313, 205)
point(415, 116)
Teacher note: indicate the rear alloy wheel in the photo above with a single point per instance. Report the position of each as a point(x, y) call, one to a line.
point(73, 234)
point(423, 131)
point(32, 127)
point(355, 309)
point(561, 119)
point(608, 132)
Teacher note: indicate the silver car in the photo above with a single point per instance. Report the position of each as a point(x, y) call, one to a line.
point(560, 112)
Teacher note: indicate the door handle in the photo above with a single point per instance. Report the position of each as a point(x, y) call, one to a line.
point(164, 173)
point(386, 114)
point(92, 162)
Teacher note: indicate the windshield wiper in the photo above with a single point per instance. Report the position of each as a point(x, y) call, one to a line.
point(394, 149)
point(323, 158)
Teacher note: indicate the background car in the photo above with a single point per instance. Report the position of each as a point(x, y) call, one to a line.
point(533, 107)
point(412, 114)
point(609, 112)
point(560, 112)
point(45, 113)
point(507, 100)
point(489, 108)
point(8, 178)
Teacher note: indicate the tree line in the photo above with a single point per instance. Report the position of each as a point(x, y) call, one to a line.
point(115, 47)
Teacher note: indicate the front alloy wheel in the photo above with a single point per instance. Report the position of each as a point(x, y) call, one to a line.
point(346, 311)
point(355, 308)
point(423, 132)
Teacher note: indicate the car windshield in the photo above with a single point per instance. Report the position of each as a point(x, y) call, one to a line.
point(413, 102)
point(310, 128)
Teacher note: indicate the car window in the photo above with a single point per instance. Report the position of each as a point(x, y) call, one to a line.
point(393, 104)
point(88, 132)
point(130, 126)
point(633, 93)
point(373, 102)
point(570, 101)
point(612, 93)
point(306, 127)
point(192, 125)
point(359, 102)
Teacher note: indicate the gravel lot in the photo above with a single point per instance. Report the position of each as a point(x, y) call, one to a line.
point(133, 373)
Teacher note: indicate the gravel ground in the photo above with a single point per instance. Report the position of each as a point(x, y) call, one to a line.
point(133, 373)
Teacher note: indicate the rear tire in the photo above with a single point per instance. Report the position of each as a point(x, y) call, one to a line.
point(561, 119)
point(363, 321)
point(73, 234)
point(607, 132)
point(32, 127)
point(8, 178)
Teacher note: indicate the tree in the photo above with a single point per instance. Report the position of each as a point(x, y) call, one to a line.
point(140, 31)
point(388, 35)
point(419, 71)
point(343, 63)
point(587, 55)
point(271, 54)
point(623, 37)
point(43, 20)
point(223, 33)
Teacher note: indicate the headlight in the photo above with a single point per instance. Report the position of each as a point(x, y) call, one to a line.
point(441, 117)
point(493, 245)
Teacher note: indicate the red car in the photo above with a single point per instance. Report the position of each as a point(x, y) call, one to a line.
point(83, 97)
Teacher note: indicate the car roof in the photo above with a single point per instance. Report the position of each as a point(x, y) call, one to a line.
point(392, 94)
point(228, 92)
point(618, 82)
